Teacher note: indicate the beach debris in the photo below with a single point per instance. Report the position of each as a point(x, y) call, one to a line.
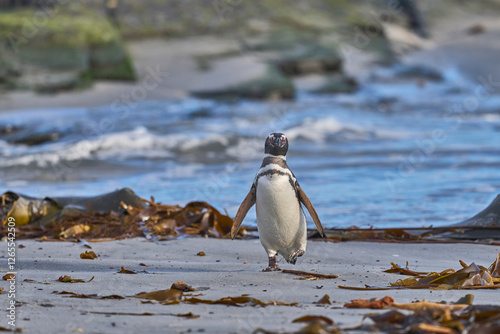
point(181, 286)
point(5, 329)
point(494, 269)
point(174, 295)
point(469, 277)
point(9, 276)
point(126, 271)
point(68, 279)
point(170, 222)
point(430, 317)
point(305, 275)
point(28, 280)
point(74, 231)
point(316, 324)
point(474, 234)
point(201, 254)
point(325, 300)
point(88, 255)
point(116, 215)
point(85, 243)
point(189, 315)
point(426, 305)
point(122, 214)
point(311, 318)
point(467, 299)
point(237, 301)
point(81, 295)
point(397, 269)
point(371, 303)
point(168, 296)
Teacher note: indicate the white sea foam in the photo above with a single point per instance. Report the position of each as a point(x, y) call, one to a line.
point(122, 145)
point(321, 130)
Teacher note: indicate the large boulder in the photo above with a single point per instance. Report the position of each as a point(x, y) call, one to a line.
point(66, 51)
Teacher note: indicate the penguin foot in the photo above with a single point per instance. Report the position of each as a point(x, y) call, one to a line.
point(295, 255)
point(275, 268)
point(273, 265)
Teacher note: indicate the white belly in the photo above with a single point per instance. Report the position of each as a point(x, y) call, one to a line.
point(280, 219)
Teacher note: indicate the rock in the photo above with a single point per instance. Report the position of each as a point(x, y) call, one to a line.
point(326, 83)
point(242, 77)
point(402, 40)
point(307, 58)
point(338, 83)
point(111, 62)
point(418, 71)
point(67, 51)
point(9, 72)
point(475, 29)
point(484, 226)
point(103, 203)
point(488, 217)
point(50, 82)
point(406, 71)
point(26, 210)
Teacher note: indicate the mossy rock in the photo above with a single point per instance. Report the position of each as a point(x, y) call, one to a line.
point(66, 44)
point(111, 62)
point(338, 83)
point(298, 52)
point(273, 85)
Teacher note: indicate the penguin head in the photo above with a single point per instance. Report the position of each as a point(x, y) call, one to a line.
point(276, 144)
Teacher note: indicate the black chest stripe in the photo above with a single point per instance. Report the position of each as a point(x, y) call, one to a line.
point(272, 160)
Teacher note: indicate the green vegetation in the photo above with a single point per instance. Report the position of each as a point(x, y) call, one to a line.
point(68, 49)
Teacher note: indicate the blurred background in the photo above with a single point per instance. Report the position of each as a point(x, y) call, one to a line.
point(392, 108)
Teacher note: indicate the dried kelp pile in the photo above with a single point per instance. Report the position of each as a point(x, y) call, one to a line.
point(424, 317)
point(469, 277)
point(428, 317)
point(123, 214)
point(116, 215)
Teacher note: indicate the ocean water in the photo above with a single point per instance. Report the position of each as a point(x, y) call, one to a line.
point(399, 152)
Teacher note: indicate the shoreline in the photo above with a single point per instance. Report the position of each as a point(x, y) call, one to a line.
point(229, 268)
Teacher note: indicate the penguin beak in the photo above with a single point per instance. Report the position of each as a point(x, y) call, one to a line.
point(278, 141)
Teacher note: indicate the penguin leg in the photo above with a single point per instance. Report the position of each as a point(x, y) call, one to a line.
point(273, 264)
point(295, 255)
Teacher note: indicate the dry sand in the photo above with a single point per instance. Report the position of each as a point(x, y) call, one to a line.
point(224, 271)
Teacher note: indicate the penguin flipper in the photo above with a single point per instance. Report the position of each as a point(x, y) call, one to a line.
point(247, 203)
point(307, 203)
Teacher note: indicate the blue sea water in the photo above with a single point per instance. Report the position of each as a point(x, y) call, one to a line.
point(396, 153)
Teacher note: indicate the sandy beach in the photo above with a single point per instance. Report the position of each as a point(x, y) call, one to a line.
point(229, 268)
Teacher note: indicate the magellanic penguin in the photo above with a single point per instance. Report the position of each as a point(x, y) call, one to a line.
point(280, 219)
